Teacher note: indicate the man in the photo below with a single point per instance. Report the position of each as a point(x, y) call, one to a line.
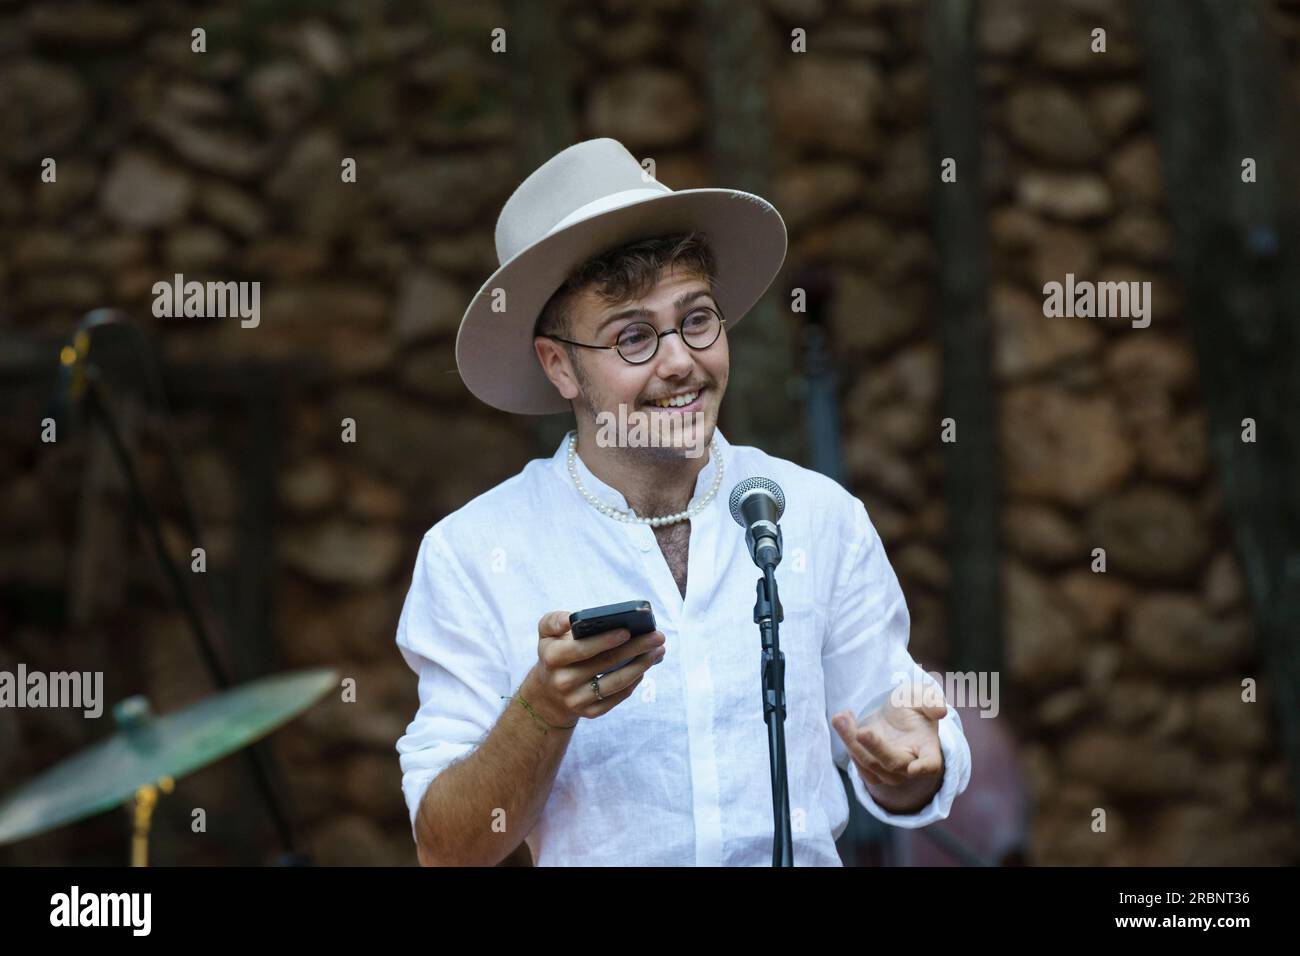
point(616, 297)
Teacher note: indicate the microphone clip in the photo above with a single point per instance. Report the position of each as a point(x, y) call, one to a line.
point(766, 547)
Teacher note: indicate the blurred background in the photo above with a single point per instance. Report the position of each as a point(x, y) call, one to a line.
point(922, 300)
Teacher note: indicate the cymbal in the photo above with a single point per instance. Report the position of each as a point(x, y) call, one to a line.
point(147, 748)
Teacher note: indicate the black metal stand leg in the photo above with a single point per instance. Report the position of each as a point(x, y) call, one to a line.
point(768, 615)
point(96, 406)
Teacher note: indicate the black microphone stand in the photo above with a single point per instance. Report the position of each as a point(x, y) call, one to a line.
point(98, 408)
point(768, 615)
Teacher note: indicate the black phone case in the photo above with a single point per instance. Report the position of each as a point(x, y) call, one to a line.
point(636, 616)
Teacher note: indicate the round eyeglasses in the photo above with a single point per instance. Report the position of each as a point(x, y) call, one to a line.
point(637, 343)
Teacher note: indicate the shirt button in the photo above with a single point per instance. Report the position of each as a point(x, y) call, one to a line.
point(644, 546)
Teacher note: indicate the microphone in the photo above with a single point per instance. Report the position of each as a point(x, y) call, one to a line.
point(70, 385)
point(757, 505)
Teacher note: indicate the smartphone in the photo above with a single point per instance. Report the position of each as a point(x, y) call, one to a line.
point(636, 616)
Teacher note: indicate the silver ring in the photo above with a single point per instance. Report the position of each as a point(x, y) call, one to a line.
point(595, 685)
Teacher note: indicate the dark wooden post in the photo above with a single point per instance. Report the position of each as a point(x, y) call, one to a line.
point(1220, 97)
point(760, 408)
point(541, 93)
point(970, 462)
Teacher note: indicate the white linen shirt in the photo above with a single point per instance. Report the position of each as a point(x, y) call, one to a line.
point(678, 774)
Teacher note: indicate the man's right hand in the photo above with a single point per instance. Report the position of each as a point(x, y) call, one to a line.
point(561, 681)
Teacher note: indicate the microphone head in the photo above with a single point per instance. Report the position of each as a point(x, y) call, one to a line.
point(752, 487)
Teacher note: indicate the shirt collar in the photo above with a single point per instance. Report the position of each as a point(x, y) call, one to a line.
point(612, 496)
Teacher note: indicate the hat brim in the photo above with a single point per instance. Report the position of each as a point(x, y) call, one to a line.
point(494, 350)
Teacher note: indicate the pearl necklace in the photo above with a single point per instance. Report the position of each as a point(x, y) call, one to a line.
point(632, 518)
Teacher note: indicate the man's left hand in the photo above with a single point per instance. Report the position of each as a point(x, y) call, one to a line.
point(896, 749)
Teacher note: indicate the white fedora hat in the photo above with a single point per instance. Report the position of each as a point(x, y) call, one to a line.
point(585, 200)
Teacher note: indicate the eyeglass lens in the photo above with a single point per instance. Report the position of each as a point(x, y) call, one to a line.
point(639, 341)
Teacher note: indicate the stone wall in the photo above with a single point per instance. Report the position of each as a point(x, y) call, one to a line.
point(1122, 688)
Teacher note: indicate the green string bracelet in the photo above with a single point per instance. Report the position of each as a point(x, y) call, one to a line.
point(538, 717)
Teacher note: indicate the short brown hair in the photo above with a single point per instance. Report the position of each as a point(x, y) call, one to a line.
point(627, 272)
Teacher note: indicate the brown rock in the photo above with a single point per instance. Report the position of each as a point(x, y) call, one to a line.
point(195, 249)
point(57, 290)
point(322, 47)
point(1015, 228)
point(891, 524)
point(84, 25)
point(43, 249)
point(1062, 707)
point(866, 316)
point(910, 256)
point(73, 190)
point(224, 151)
point(1223, 587)
point(1060, 447)
point(1135, 702)
point(1177, 450)
point(472, 253)
point(286, 258)
point(906, 427)
point(1065, 44)
point(1172, 633)
point(316, 305)
point(1099, 599)
point(309, 485)
point(283, 92)
point(371, 499)
point(1041, 534)
point(113, 252)
point(428, 305)
point(354, 841)
point(867, 458)
point(1130, 765)
point(828, 103)
point(343, 552)
point(1116, 109)
point(1004, 27)
point(449, 193)
point(1230, 785)
point(811, 191)
point(309, 188)
point(407, 441)
point(645, 108)
point(1043, 640)
point(1027, 342)
point(1162, 360)
point(232, 208)
point(857, 240)
point(932, 520)
point(1150, 533)
point(903, 184)
point(1163, 303)
point(1197, 835)
point(1101, 664)
point(1051, 124)
point(45, 107)
point(1275, 786)
point(431, 373)
point(1138, 236)
point(1228, 725)
point(1135, 174)
point(627, 42)
point(1060, 250)
point(142, 192)
point(919, 562)
point(1070, 196)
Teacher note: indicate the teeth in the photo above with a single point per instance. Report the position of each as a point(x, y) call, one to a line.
point(677, 401)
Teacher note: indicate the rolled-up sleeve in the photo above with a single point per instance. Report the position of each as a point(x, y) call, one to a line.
point(446, 637)
point(865, 657)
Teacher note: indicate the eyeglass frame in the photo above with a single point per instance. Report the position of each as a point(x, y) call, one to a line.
point(722, 321)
